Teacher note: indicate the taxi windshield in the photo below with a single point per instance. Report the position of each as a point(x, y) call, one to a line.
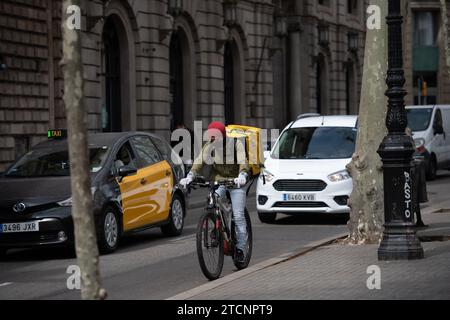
point(53, 163)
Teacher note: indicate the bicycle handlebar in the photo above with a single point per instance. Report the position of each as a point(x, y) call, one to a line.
point(228, 183)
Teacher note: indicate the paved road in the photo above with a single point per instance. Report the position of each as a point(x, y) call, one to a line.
point(150, 266)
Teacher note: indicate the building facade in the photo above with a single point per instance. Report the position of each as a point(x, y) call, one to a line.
point(149, 65)
point(318, 64)
point(427, 75)
point(156, 65)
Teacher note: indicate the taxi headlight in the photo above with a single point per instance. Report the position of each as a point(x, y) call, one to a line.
point(69, 202)
point(66, 203)
point(339, 176)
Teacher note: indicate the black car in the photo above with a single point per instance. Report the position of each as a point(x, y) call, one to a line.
point(134, 187)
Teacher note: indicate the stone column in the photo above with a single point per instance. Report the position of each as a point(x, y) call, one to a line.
point(294, 69)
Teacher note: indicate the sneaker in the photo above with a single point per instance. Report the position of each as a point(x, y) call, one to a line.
point(240, 257)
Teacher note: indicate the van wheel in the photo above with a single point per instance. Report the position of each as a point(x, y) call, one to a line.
point(432, 169)
point(268, 218)
point(109, 231)
point(176, 218)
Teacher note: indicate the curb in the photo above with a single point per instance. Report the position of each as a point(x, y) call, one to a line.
point(436, 207)
point(258, 267)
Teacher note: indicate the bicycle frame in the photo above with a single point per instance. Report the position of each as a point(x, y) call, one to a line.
point(224, 213)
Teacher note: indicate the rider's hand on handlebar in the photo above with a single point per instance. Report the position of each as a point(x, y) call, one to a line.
point(241, 180)
point(187, 181)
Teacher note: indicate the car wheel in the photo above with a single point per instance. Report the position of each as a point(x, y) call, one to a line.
point(432, 170)
point(176, 218)
point(109, 231)
point(268, 218)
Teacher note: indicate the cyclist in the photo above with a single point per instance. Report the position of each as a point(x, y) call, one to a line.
point(220, 170)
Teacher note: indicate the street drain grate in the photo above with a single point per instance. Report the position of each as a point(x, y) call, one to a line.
point(434, 238)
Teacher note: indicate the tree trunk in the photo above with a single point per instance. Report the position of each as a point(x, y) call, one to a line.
point(367, 199)
point(85, 234)
point(445, 33)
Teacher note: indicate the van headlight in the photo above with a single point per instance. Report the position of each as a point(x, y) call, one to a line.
point(267, 175)
point(420, 145)
point(339, 176)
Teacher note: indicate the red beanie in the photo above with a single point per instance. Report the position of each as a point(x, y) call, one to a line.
point(216, 126)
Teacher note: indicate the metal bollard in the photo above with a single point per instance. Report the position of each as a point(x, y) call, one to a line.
point(419, 188)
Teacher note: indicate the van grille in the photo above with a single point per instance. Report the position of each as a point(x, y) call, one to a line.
point(296, 204)
point(300, 185)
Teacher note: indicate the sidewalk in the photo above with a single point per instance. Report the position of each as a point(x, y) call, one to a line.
point(340, 272)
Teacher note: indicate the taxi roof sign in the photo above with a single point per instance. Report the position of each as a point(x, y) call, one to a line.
point(57, 134)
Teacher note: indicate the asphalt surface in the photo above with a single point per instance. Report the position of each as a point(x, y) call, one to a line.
point(151, 266)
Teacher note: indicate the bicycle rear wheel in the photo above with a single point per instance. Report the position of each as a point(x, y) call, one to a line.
point(210, 247)
point(249, 245)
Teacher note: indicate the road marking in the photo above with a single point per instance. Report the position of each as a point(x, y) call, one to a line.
point(184, 238)
point(5, 284)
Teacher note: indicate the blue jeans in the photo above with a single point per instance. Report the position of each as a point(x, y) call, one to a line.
point(238, 202)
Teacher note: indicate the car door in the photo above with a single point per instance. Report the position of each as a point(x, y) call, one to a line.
point(439, 139)
point(131, 189)
point(157, 180)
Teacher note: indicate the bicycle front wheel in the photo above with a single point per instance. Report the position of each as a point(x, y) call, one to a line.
point(210, 247)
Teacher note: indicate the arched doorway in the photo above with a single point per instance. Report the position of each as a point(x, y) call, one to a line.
point(176, 82)
point(118, 71)
point(322, 85)
point(229, 101)
point(234, 80)
point(112, 109)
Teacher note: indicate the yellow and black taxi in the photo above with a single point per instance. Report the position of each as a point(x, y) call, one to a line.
point(134, 183)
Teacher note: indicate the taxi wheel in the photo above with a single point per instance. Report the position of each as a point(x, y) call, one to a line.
point(268, 218)
point(176, 218)
point(109, 231)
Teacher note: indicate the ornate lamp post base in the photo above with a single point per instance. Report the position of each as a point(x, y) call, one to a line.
point(400, 241)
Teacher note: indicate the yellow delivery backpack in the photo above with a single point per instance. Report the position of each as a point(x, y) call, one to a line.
point(253, 145)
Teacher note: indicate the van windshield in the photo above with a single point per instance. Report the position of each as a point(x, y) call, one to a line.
point(419, 119)
point(316, 143)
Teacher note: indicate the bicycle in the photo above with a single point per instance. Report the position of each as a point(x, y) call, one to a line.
point(216, 236)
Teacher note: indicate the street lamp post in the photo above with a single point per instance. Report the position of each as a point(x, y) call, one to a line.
point(400, 241)
point(230, 13)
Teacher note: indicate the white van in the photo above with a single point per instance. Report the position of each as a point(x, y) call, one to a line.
point(431, 131)
point(306, 170)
